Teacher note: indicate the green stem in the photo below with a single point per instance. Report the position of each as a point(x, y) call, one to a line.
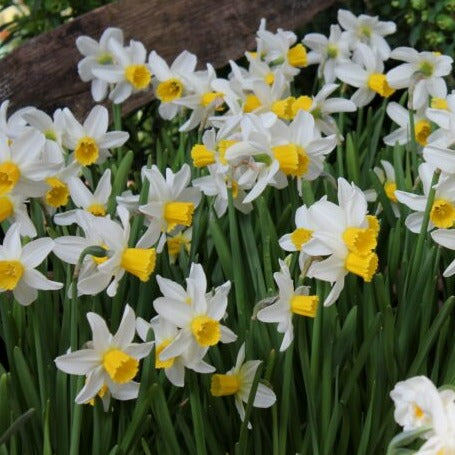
point(196, 413)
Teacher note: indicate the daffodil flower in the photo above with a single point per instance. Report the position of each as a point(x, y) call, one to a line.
point(238, 382)
point(423, 71)
point(289, 302)
point(129, 72)
point(97, 54)
point(94, 203)
point(91, 141)
point(197, 314)
point(171, 83)
point(442, 213)
point(15, 125)
point(109, 361)
point(18, 266)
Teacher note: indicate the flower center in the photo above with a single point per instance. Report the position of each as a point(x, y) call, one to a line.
point(139, 262)
point(10, 274)
point(288, 158)
point(300, 236)
point(439, 103)
point(422, 130)
point(138, 76)
point(365, 31)
point(360, 241)
point(251, 103)
point(297, 56)
point(86, 151)
point(269, 78)
point(223, 145)
point(418, 412)
point(378, 83)
point(363, 266)
point(58, 194)
point(159, 348)
point(211, 97)
point(332, 51)
point(120, 366)
point(176, 213)
point(426, 68)
point(49, 134)
point(389, 189)
point(206, 330)
point(224, 384)
point(175, 243)
point(202, 156)
point(96, 209)
point(305, 305)
point(6, 208)
point(169, 90)
point(105, 58)
point(302, 103)
point(284, 108)
point(9, 176)
point(442, 214)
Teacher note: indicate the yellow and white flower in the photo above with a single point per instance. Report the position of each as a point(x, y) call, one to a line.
point(171, 83)
point(129, 72)
point(386, 176)
point(91, 141)
point(170, 203)
point(423, 72)
point(238, 382)
point(15, 125)
point(366, 73)
point(442, 213)
point(18, 266)
point(14, 210)
point(348, 232)
point(94, 203)
point(290, 301)
point(197, 314)
point(109, 361)
point(165, 332)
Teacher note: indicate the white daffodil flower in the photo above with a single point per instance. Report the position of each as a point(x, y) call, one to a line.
point(328, 53)
point(366, 74)
point(171, 83)
point(442, 213)
point(53, 130)
point(422, 72)
point(348, 233)
point(91, 141)
point(367, 30)
point(18, 266)
point(386, 176)
point(109, 361)
point(417, 403)
point(21, 165)
point(14, 210)
point(203, 101)
point(129, 73)
point(177, 242)
point(15, 125)
point(97, 54)
point(170, 203)
point(446, 238)
point(238, 382)
point(279, 49)
point(165, 332)
point(196, 313)
point(402, 135)
point(94, 203)
point(290, 301)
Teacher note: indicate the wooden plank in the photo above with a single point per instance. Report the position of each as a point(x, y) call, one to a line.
point(43, 72)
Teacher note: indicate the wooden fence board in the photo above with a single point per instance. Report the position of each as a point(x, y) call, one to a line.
point(43, 72)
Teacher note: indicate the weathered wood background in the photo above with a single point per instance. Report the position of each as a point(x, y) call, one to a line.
point(43, 72)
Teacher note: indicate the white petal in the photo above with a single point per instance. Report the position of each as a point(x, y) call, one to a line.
point(78, 362)
point(93, 384)
point(127, 328)
point(37, 280)
point(35, 252)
